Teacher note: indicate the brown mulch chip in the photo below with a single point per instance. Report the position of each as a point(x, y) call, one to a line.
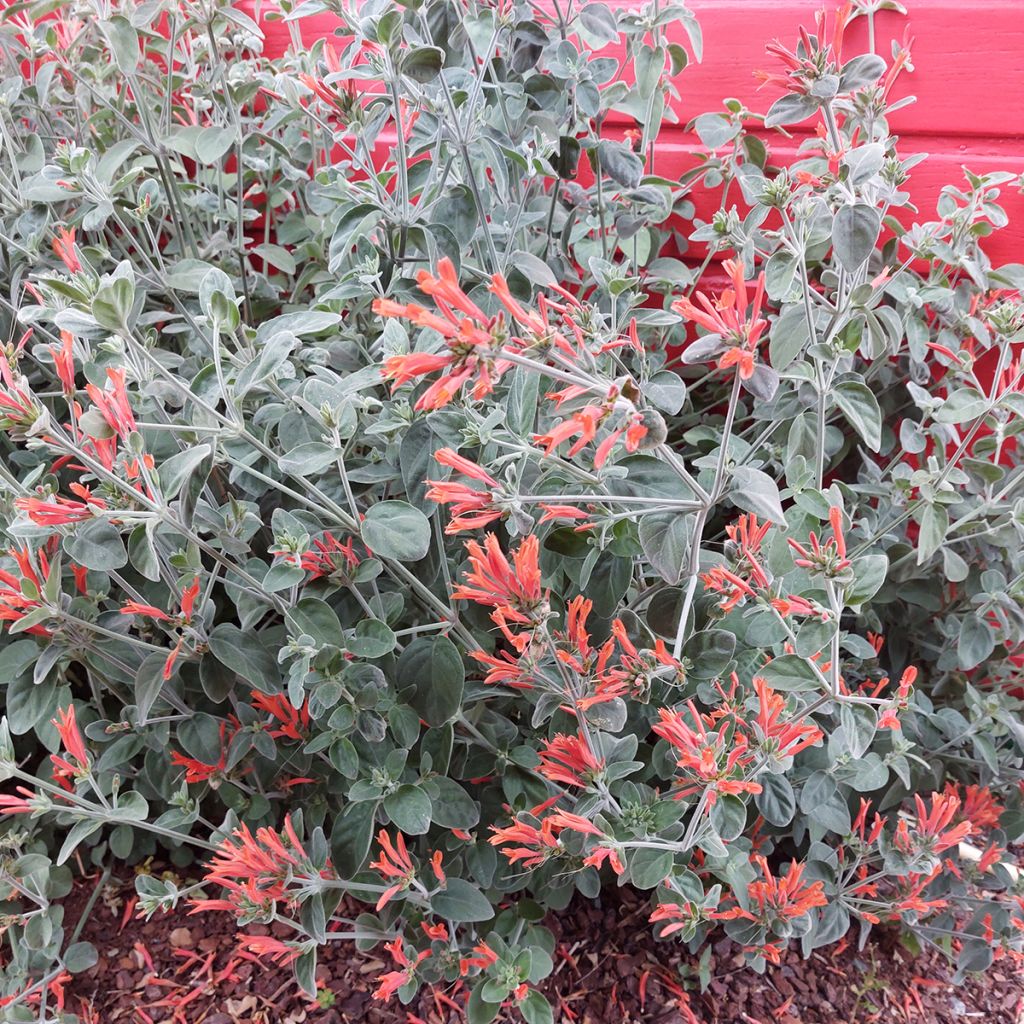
point(177, 969)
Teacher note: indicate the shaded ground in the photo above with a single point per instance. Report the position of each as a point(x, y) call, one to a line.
point(177, 969)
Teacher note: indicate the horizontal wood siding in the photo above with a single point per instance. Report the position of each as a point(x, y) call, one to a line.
point(968, 80)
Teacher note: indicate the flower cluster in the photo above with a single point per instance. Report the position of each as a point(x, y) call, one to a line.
point(260, 870)
point(733, 321)
point(474, 340)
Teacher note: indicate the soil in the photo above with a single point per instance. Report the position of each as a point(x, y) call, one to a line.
point(177, 969)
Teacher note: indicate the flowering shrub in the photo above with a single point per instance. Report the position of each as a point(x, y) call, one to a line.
point(402, 538)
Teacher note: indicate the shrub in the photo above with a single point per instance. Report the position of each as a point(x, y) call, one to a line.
point(396, 522)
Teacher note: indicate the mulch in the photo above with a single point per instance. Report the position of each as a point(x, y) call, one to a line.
point(180, 969)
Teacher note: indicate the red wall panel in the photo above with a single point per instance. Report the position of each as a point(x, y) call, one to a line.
point(968, 57)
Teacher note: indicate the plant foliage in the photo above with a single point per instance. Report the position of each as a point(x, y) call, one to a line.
point(398, 511)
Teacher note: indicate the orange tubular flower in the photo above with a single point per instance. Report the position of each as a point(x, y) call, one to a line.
point(485, 957)
point(538, 324)
point(58, 512)
point(499, 288)
point(933, 829)
point(149, 610)
point(504, 669)
point(389, 984)
point(889, 719)
point(330, 557)
point(909, 894)
point(257, 868)
point(575, 650)
point(990, 857)
point(14, 603)
point(684, 915)
point(478, 345)
point(74, 744)
point(450, 458)
point(786, 739)
point(394, 862)
point(860, 829)
point(573, 822)
point(403, 369)
point(634, 430)
point(266, 946)
point(64, 248)
point(445, 290)
point(188, 599)
point(64, 362)
point(600, 855)
point(786, 897)
point(436, 859)
point(681, 916)
point(746, 575)
point(553, 513)
point(635, 670)
point(830, 557)
point(332, 97)
point(512, 590)
point(537, 844)
point(734, 333)
point(25, 802)
point(294, 721)
point(114, 405)
point(814, 57)
point(16, 407)
point(794, 604)
point(978, 805)
point(198, 771)
point(474, 340)
point(406, 120)
point(567, 759)
point(392, 981)
point(435, 932)
point(708, 758)
point(583, 426)
point(472, 507)
point(342, 100)
point(172, 657)
point(733, 588)
point(71, 736)
point(748, 535)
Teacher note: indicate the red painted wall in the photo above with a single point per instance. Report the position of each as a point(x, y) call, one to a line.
point(968, 57)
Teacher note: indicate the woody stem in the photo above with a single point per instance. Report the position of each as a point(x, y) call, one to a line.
point(86, 809)
point(700, 522)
